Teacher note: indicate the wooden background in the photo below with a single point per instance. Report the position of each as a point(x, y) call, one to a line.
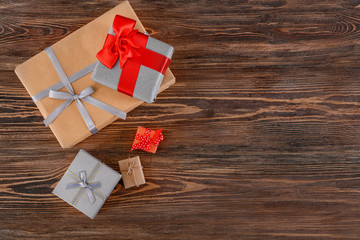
point(262, 130)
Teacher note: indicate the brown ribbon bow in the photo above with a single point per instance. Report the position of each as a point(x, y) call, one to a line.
point(131, 170)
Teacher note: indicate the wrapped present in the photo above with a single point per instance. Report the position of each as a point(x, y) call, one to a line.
point(132, 62)
point(72, 59)
point(86, 184)
point(147, 139)
point(132, 173)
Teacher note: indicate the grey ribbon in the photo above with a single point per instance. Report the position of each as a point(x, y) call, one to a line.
point(69, 99)
point(82, 184)
point(59, 85)
point(70, 96)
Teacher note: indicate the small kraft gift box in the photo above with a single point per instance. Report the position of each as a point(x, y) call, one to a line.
point(60, 76)
point(86, 184)
point(132, 62)
point(132, 172)
point(147, 139)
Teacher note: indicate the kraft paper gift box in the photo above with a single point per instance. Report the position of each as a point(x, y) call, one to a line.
point(132, 173)
point(138, 76)
point(75, 52)
point(86, 184)
point(147, 139)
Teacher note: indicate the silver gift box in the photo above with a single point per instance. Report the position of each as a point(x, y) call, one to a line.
point(148, 81)
point(96, 172)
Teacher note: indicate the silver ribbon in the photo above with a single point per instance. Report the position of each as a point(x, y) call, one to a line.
point(82, 184)
point(59, 85)
point(70, 96)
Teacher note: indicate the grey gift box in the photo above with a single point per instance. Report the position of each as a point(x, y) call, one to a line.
point(96, 172)
point(148, 81)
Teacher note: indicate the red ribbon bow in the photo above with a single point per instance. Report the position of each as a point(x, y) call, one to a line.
point(146, 141)
point(129, 46)
point(123, 45)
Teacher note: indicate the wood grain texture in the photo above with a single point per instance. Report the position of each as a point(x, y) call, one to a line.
point(262, 130)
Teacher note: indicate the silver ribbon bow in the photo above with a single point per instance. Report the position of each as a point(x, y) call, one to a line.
point(87, 186)
point(70, 96)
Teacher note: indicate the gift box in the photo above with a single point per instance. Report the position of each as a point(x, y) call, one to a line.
point(132, 62)
point(132, 173)
point(86, 184)
point(76, 55)
point(147, 139)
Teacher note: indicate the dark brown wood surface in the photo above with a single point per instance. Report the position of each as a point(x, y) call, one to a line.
point(262, 130)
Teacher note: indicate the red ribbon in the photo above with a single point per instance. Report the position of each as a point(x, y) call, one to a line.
point(129, 46)
point(146, 141)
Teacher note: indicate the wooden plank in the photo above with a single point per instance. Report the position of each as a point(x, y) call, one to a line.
point(262, 131)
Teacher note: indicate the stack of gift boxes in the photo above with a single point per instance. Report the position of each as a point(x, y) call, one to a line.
point(86, 81)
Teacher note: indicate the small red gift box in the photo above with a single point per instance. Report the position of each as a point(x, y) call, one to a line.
point(147, 139)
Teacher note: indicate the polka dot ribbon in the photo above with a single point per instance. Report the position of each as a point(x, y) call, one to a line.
point(146, 142)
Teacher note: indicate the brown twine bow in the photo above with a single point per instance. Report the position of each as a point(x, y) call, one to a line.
point(131, 170)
